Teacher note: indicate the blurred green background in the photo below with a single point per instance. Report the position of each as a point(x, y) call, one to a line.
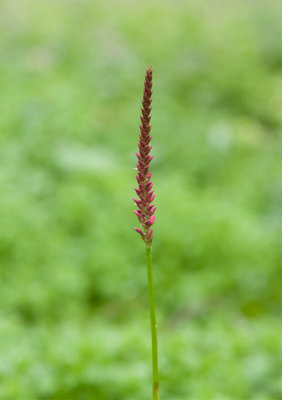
point(74, 319)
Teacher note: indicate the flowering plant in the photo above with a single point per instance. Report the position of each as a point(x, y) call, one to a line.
point(146, 210)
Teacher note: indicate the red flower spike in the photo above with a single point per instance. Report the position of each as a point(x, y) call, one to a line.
point(144, 191)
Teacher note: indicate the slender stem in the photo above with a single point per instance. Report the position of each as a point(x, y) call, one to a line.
point(156, 395)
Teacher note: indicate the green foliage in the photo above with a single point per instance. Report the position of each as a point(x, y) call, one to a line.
point(73, 289)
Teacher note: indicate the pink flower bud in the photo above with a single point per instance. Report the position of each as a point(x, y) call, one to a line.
point(152, 198)
point(149, 208)
point(150, 221)
point(150, 236)
point(140, 232)
point(148, 185)
point(149, 195)
point(137, 201)
point(152, 211)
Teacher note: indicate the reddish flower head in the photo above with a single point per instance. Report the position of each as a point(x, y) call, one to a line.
point(144, 190)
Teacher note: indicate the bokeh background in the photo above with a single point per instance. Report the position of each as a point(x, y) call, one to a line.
point(74, 319)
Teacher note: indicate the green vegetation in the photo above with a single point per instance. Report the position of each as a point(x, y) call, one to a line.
point(74, 321)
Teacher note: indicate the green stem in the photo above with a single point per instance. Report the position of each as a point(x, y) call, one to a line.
point(156, 395)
